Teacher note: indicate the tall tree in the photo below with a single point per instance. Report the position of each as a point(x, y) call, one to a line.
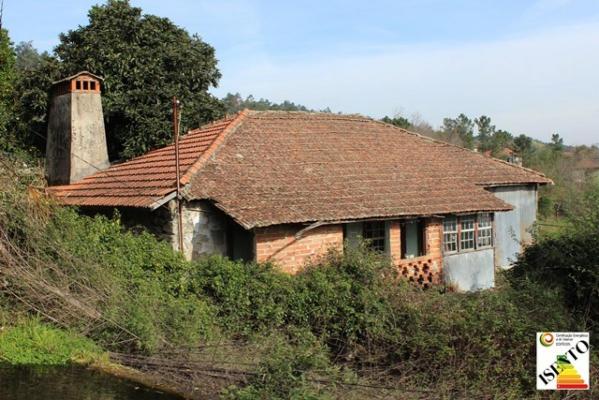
point(499, 141)
point(458, 131)
point(28, 57)
point(485, 132)
point(31, 103)
point(523, 146)
point(145, 61)
point(7, 79)
point(557, 142)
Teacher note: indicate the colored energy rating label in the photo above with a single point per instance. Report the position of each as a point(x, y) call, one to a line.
point(563, 360)
point(568, 378)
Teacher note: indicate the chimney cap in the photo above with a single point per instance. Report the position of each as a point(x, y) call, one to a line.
point(78, 74)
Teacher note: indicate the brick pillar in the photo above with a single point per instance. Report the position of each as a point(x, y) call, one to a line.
point(395, 240)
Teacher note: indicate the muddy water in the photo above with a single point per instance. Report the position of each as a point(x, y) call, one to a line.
point(70, 383)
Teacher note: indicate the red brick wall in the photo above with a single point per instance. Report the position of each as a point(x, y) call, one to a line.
point(279, 244)
point(425, 270)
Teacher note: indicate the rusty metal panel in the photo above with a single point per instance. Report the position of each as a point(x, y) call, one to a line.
point(513, 228)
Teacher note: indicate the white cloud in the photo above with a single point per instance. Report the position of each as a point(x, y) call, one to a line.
point(538, 84)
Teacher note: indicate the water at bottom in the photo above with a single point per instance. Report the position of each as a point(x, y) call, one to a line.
point(70, 383)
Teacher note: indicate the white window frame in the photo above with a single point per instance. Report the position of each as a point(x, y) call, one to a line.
point(484, 231)
point(468, 235)
point(451, 234)
point(481, 223)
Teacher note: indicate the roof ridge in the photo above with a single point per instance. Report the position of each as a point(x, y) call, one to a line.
point(530, 170)
point(232, 125)
point(258, 114)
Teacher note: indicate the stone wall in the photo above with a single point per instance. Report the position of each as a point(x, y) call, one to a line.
point(204, 229)
point(279, 244)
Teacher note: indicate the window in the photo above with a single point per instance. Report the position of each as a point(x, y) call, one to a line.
point(85, 85)
point(92, 85)
point(467, 232)
point(485, 230)
point(78, 85)
point(412, 239)
point(450, 234)
point(374, 233)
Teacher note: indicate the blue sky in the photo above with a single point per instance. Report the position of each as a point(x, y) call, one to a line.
point(532, 66)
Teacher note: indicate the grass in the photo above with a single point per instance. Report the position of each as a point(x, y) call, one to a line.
point(551, 226)
point(30, 342)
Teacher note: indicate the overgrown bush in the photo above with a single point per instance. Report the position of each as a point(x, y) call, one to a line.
point(569, 261)
point(345, 300)
point(366, 319)
point(91, 267)
point(249, 297)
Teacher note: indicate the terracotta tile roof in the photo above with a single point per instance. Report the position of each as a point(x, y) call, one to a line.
point(144, 181)
point(271, 167)
point(280, 167)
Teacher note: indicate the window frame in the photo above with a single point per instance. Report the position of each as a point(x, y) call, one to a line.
point(476, 232)
point(455, 232)
point(490, 228)
point(421, 224)
point(470, 219)
point(377, 239)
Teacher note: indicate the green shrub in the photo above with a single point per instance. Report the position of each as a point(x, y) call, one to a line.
point(138, 284)
point(248, 297)
point(149, 282)
point(344, 299)
point(462, 344)
point(569, 263)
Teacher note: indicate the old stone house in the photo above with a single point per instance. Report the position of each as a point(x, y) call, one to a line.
point(287, 186)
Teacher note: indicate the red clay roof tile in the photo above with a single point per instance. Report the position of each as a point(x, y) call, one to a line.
point(266, 168)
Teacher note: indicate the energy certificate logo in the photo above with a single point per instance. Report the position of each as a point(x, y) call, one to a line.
point(547, 339)
point(563, 360)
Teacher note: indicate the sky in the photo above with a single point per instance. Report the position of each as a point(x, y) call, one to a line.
point(532, 66)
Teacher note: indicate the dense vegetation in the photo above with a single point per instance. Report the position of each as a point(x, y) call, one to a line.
point(569, 261)
point(345, 320)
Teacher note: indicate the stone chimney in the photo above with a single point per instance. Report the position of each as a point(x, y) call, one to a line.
point(76, 141)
